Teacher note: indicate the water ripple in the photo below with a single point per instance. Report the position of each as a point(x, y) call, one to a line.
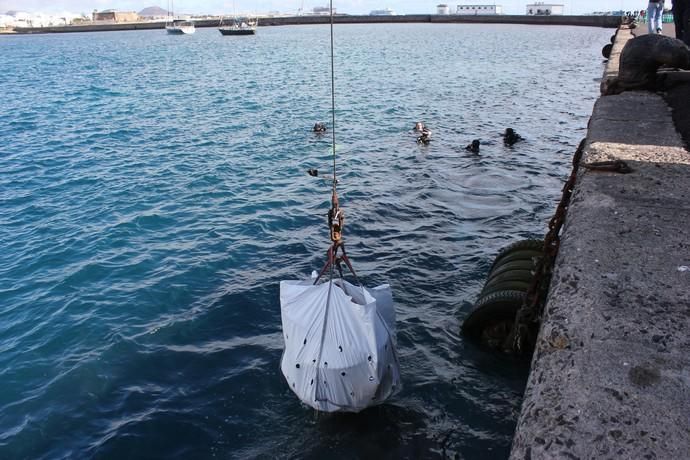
point(154, 194)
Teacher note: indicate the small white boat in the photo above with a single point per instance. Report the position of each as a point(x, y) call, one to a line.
point(180, 27)
point(177, 26)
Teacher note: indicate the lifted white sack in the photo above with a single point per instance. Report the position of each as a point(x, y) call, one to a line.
point(339, 344)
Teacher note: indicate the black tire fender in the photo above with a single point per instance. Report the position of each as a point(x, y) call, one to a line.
point(490, 311)
point(528, 263)
point(521, 286)
point(606, 50)
point(525, 276)
point(523, 247)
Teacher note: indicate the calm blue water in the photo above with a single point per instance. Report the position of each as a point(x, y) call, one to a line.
point(153, 194)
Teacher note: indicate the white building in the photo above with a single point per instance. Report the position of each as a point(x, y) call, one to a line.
point(322, 11)
point(479, 9)
point(385, 12)
point(544, 9)
point(442, 9)
point(23, 19)
point(6, 21)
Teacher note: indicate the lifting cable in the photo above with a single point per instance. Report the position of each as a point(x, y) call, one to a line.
point(331, 259)
point(335, 180)
point(336, 217)
point(335, 213)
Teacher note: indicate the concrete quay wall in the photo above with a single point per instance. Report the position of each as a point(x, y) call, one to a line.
point(587, 21)
point(610, 375)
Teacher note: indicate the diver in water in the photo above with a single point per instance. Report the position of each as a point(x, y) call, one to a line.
point(419, 127)
point(319, 127)
point(510, 137)
point(425, 138)
point(474, 146)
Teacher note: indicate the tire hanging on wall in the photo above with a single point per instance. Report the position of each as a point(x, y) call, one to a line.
point(504, 292)
point(519, 249)
point(524, 276)
point(527, 263)
point(606, 50)
point(492, 318)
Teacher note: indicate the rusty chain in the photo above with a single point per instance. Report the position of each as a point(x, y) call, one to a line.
point(618, 166)
point(525, 326)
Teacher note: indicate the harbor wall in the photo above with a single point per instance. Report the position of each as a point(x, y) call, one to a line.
point(610, 373)
point(587, 21)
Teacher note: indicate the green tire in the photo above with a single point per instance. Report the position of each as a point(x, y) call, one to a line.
point(519, 264)
point(492, 317)
point(525, 249)
point(512, 275)
point(521, 286)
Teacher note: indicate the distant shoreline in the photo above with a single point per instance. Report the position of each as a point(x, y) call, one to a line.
point(585, 21)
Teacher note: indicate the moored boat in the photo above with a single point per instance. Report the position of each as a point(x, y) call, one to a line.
point(179, 27)
point(239, 26)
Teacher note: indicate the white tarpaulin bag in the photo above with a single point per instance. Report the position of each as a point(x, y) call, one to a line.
point(339, 350)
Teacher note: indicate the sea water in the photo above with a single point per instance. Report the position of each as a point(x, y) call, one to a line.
point(153, 193)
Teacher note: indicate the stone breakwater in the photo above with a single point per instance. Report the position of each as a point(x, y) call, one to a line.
point(587, 21)
point(609, 375)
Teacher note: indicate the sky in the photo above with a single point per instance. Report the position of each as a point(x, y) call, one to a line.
point(291, 6)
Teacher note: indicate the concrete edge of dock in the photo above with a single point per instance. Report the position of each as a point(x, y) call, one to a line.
point(610, 376)
point(587, 21)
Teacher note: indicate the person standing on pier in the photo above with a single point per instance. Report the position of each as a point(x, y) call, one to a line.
point(655, 11)
point(681, 17)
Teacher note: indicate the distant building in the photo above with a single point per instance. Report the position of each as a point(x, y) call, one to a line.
point(15, 19)
point(385, 12)
point(6, 21)
point(115, 16)
point(544, 9)
point(19, 19)
point(442, 9)
point(322, 11)
point(479, 9)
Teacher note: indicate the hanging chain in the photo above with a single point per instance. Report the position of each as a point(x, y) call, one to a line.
point(525, 326)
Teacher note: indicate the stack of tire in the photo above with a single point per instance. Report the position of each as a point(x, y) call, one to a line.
point(606, 50)
point(503, 293)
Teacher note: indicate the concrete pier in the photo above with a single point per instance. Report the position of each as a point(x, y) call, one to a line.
point(610, 376)
point(587, 21)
